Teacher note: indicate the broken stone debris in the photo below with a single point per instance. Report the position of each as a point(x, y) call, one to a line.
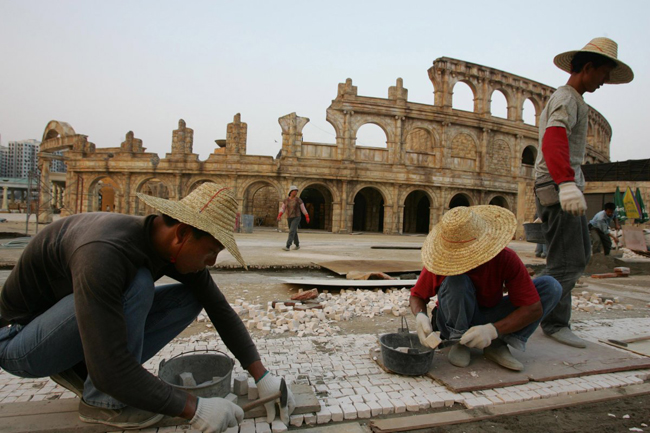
point(594, 302)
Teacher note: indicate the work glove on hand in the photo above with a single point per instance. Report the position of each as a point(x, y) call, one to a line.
point(268, 385)
point(423, 326)
point(571, 199)
point(307, 218)
point(279, 216)
point(216, 415)
point(480, 336)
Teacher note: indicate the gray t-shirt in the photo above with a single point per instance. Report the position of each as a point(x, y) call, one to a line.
point(566, 108)
point(96, 256)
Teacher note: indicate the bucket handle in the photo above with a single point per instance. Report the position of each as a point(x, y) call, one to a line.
point(404, 326)
point(164, 361)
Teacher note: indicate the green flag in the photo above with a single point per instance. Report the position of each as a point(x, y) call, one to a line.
point(620, 208)
point(642, 210)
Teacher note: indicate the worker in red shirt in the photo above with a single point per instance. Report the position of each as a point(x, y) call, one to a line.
point(559, 182)
point(486, 297)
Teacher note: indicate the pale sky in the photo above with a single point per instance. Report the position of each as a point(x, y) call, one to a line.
point(110, 67)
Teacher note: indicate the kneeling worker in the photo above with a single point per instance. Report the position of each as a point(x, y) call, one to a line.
point(82, 296)
point(469, 267)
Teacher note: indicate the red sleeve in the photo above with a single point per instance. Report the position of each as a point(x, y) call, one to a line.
point(426, 285)
point(555, 147)
point(520, 287)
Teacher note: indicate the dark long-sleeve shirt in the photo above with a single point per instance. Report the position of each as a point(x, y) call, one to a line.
point(96, 256)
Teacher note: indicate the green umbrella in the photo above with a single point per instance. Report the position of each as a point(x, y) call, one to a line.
point(620, 208)
point(642, 210)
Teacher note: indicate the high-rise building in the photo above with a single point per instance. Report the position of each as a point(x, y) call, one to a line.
point(19, 158)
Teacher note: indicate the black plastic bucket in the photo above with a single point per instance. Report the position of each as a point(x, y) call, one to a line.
point(415, 363)
point(205, 366)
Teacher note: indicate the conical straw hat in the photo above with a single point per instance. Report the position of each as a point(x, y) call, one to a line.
point(467, 237)
point(210, 207)
point(621, 74)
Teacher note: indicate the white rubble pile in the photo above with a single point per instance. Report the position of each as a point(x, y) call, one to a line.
point(629, 254)
point(320, 321)
point(594, 302)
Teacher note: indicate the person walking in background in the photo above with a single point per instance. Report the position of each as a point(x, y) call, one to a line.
point(293, 205)
point(559, 181)
point(601, 223)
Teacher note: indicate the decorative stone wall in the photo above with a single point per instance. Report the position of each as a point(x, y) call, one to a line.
point(442, 155)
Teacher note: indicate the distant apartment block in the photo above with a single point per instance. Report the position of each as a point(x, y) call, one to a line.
point(18, 158)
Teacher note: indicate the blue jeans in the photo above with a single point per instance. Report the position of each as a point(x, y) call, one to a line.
point(569, 251)
point(293, 231)
point(458, 309)
point(51, 343)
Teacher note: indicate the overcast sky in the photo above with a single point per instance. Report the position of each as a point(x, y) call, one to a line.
point(113, 66)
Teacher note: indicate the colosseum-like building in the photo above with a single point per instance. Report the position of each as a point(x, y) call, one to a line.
point(436, 158)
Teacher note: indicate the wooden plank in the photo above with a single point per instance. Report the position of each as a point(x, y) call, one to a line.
point(332, 282)
point(416, 422)
point(60, 416)
point(342, 267)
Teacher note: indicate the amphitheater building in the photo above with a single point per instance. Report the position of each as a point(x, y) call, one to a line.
point(436, 157)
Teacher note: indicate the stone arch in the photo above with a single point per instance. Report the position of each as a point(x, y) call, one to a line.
point(464, 152)
point(377, 124)
point(498, 157)
point(56, 129)
point(473, 89)
point(529, 155)
point(318, 199)
point(419, 140)
point(459, 199)
point(153, 186)
point(417, 212)
point(260, 199)
point(499, 200)
point(104, 191)
point(533, 118)
point(368, 209)
point(499, 111)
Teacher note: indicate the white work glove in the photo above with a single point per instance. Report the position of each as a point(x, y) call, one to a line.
point(423, 326)
point(480, 336)
point(269, 385)
point(571, 199)
point(216, 415)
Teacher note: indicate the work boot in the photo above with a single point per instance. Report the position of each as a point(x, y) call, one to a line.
point(565, 336)
point(498, 352)
point(285, 248)
point(71, 379)
point(297, 247)
point(459, 355)
point(126, 418)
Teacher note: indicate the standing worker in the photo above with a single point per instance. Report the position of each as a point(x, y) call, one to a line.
point(293, 205)
point(81, 307)
point(559, 181)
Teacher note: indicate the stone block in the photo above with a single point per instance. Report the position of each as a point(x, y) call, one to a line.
point(253, 394)
point(336, 412)
point(278, 426)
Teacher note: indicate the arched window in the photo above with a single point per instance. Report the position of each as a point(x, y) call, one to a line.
point(371, 135)
point(498, 105)
point(463, 97)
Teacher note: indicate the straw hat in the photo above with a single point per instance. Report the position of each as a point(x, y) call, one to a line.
point(210, 207)
point(466, 238)
point(621, 74)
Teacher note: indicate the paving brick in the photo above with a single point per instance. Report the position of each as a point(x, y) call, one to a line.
point(278, 426)
point(324, 416)
point(387, 406)
point(363, 410)
point(349, 411)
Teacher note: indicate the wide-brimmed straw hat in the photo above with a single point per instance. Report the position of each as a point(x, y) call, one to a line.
point(621, 74)
point(467, 237)
point(210, 207)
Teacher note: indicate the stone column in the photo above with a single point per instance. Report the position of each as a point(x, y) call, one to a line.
point(45, 197)
point(5, 192)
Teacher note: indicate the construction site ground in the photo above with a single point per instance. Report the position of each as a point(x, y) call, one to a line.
point(341, 360)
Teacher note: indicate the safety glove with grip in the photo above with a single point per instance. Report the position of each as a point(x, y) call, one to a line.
point(571, 199)
point(268, 385)
point(423, 326)
point(480, 336)
point(216, 415)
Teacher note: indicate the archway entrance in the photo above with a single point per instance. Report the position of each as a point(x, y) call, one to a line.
point(318, 202)
point(103, 196)
point(499, 201)
point(416, 213)
point(459, 200)
point(154, 187)
point(261, 201)
point(368, 211)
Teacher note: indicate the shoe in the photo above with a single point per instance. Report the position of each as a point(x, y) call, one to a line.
point(498, 352)
point(459, 355)
point(565, 336)
point(538, 254)
point(297, 247)
point(285, 248)
point(70, 380)
point(543, 255)
point(127, 418)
